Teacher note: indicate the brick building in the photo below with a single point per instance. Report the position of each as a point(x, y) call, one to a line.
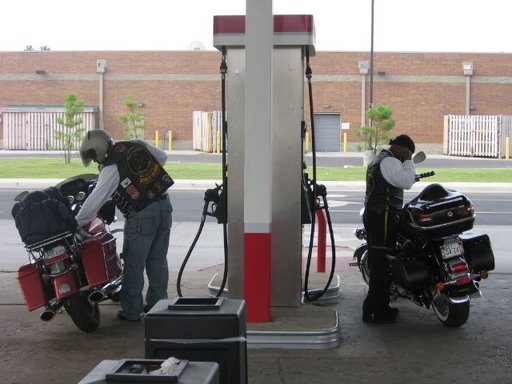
point(421, 88)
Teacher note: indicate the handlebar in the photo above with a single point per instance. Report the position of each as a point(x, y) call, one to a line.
point(423, 175)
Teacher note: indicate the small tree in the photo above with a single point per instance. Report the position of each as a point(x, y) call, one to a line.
point(133, 121)
point(72, 132)
point(377, 133)
point(365, 134)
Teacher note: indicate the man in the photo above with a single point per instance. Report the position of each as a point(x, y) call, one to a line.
point(387, 176)
point(132, 174)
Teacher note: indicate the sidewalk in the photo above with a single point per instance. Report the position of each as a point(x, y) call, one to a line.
point(332, 186)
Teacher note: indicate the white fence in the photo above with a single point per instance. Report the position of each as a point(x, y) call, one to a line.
point(207, 131)
point(478, 136)
point(33, 128)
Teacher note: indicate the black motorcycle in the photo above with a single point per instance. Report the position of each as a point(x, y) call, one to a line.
point(436, 262)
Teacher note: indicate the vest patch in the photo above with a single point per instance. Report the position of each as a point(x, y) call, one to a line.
point(133, 191)
point(126, 182)
point(140, 163)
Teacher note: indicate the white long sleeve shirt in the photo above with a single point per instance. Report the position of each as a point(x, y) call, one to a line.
point(108, 181)
point(398, 174)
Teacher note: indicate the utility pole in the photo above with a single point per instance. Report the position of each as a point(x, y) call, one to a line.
point(371, 71)
point(371, 58)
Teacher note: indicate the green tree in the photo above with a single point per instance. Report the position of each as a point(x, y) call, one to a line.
point(372, 136)
point(133, 120)
point(72, 132)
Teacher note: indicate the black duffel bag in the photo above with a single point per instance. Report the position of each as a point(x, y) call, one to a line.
point(43, 214)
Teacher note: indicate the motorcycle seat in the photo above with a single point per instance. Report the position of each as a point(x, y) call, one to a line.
point(435, 192)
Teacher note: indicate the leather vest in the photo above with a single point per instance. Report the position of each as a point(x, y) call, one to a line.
point(380, 195)
point(142, 179)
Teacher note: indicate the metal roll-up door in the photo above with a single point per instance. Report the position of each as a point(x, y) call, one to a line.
point(327, 132)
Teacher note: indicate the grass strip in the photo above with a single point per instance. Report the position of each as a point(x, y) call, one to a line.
point(20, 168)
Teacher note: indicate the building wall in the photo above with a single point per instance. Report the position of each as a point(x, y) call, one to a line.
point(420, 87)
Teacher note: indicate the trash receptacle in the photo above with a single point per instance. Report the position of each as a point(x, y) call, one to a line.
point(129, 371)
point(200, 329)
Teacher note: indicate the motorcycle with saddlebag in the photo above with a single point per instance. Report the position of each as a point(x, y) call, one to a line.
point(437, 261)
point(69, 267)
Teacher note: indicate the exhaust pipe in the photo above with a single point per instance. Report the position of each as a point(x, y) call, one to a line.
point(47, 315)
point(101, 294)
point(96, 296)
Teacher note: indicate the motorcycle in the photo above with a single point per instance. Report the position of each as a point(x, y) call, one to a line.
point(69, 267)
point(437, 261)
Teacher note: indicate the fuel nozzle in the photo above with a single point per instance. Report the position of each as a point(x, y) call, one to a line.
point(212, 195)
point(321, 190)
point(216, 197)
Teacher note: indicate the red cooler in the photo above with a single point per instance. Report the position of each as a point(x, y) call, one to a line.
point(31, 286)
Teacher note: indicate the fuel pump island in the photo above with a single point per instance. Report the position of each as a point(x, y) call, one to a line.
point(263, 99)
point(263, 203)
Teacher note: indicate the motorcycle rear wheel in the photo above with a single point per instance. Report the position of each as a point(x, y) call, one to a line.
point(361, 255)
point(85, 315)
point(450, 314)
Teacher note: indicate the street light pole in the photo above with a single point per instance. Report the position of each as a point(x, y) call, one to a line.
point(371, 73)
point(371, 59)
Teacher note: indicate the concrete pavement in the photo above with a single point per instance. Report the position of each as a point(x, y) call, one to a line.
point(416, 349)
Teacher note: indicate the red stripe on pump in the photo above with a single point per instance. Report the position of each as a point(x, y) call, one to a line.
point(235, 24)
point(293, 23)
point(257, 274)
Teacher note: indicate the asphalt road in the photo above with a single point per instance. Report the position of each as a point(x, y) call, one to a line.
point(344, 207)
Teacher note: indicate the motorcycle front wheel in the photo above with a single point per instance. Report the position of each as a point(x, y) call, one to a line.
point(452, 315)
point(361, 255)
point(85, 315)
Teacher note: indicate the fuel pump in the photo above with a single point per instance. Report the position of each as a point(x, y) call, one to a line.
point(313, 195)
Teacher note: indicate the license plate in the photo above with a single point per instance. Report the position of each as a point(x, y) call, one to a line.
point(451, 249)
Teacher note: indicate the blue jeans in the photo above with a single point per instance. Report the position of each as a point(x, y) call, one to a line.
point(145, 246)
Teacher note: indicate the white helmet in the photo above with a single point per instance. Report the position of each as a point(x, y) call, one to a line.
point(95, 146)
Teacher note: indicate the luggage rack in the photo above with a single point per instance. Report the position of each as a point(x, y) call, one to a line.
point(40, 244)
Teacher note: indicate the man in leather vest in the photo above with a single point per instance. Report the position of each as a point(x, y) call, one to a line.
point(132, 174)
point(387, 176)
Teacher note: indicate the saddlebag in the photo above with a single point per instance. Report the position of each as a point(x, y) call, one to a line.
point(99, 258)
point(409, 273)
point(478, 251)
point(438, 212)
point(31, 284)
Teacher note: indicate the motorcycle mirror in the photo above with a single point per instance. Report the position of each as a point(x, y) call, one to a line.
point(21, 196)
point(419, 157)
